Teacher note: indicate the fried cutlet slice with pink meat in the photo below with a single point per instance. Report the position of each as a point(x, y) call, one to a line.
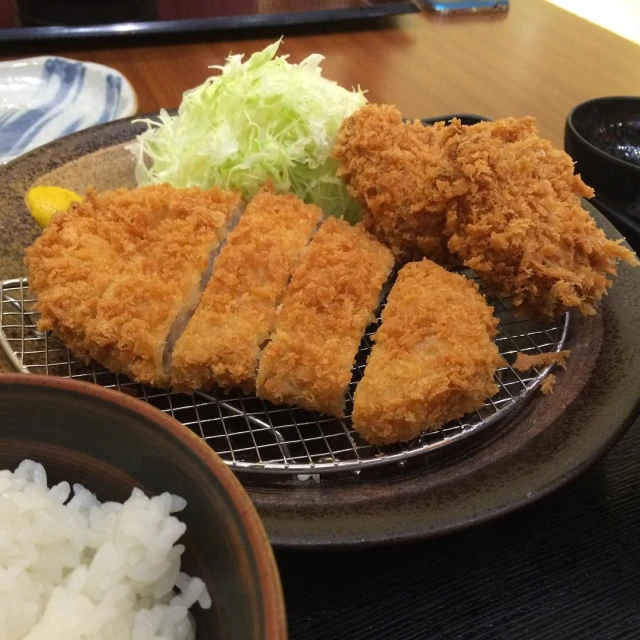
point(434, 357)
point(222, 342)
point(118, 275)
point(331, 299)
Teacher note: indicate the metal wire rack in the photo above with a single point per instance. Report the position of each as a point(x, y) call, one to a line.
point(250, 434)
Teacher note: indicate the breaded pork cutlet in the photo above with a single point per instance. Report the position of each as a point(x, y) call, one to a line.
point(520, 224)
point(392, 169)
point(434, 357)
point(70, 266)
point(238, 308)
point(331, 299)
point(143, 256)
point(148, 305)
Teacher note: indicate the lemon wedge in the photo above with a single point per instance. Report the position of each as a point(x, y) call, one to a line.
point(43, 202)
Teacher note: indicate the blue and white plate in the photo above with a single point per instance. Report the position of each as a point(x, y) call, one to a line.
point(45, 98)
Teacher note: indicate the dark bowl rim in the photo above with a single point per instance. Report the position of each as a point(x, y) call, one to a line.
point(599, 152)
point(275, 625)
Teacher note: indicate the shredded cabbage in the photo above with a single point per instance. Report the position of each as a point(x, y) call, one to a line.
point(264, 119)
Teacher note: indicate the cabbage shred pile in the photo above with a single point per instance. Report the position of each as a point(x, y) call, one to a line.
point(264, 119)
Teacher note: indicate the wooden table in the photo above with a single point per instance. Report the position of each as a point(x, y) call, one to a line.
point(537, 60)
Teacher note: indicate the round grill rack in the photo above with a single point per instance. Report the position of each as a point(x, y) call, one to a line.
point(252, 435)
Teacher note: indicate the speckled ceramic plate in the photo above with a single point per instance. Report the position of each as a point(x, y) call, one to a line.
point(48, 97)
point(550, 441)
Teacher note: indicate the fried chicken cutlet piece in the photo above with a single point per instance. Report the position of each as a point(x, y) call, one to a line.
point(331, 299)
point(520, 224)
point(119, 274)
point(434, 358)
point(392, 169)
point(238, 308)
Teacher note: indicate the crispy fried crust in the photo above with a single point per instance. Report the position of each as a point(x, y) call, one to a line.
point(392, 169)
point(331, 299)
point(112, 273)
point(520, 224)
point(237, 312)
point(434, 357)
point(72, 263)
point(548, 384)
point(524, 361)
point(494, 194)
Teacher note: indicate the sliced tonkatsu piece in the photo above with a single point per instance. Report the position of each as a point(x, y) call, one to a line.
point(330, 301)
point(236, 315)
point(147, 306)
point(76, 258)
point(434, 357)
point(113, 272)
point(69, 267)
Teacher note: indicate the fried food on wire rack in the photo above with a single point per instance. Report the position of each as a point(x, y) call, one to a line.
point(392, 169)
point(331, 299)
point(236, 315)
point(520, 224)
point(434, 357)
point(118, 275)
point(495, 195)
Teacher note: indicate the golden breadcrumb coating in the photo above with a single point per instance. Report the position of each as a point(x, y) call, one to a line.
point(548, 384)
point(114, 272)
point(331, 299)
point(524, 361)
point(238, 308)
point(69, 267)
point(520, 224)
point(71, 264)
point(434, 358)
point(494, 194)
point(392, 169)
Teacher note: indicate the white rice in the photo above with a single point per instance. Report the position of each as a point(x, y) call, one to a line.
point(72, 568)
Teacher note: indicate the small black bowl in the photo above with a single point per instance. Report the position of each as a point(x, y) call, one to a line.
point(603, 137)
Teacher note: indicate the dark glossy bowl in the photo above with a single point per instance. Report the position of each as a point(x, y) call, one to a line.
point(110, 443)
point(603, 137)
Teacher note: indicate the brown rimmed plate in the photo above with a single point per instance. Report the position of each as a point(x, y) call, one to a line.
point(549, 442)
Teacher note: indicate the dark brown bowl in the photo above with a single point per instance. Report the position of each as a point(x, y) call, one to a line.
point(111, 443)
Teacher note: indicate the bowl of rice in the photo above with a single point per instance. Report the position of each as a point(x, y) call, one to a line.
point(118, 522)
